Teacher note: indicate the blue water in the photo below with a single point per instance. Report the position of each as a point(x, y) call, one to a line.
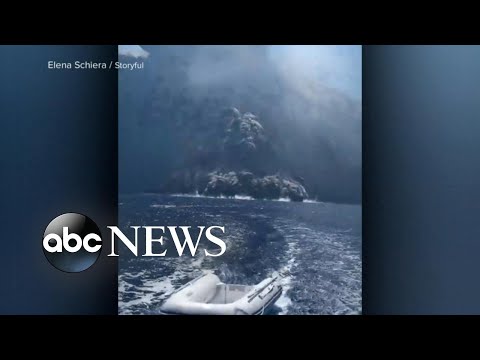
point(318, 243)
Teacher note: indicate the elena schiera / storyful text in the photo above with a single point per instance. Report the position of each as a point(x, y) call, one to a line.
point(92, 65)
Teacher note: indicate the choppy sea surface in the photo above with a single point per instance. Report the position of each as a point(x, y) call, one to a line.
point(317, 245)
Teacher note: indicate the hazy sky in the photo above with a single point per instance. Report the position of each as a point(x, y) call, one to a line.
point(336, 66)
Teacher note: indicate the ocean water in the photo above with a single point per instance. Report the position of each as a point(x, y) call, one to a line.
point(317, 245)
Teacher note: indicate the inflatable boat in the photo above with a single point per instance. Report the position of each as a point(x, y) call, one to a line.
point(207, 295)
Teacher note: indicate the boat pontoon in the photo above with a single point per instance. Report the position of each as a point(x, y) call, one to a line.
point(207, 295)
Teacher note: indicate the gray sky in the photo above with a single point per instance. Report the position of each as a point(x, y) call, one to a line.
point(335, 66)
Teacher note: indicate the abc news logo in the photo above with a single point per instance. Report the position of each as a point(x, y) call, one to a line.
point(72, 242)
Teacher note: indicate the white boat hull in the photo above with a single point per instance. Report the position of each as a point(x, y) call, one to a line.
point(207, 295)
